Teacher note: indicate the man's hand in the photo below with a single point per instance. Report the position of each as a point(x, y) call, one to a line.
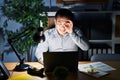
point(69, 26)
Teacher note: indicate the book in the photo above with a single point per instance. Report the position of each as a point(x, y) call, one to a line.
point(25, 76)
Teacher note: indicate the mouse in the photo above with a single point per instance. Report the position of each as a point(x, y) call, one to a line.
point(36, 72)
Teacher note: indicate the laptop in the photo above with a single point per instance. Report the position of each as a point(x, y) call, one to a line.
point(68, 60)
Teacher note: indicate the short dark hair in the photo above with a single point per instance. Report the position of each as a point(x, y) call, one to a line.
point(65, 13)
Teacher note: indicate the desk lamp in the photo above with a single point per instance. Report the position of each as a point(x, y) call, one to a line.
point(38, 36)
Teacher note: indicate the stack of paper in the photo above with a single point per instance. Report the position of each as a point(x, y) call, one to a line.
point(95, 69)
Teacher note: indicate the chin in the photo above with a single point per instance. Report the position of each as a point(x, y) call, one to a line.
point(62, 33)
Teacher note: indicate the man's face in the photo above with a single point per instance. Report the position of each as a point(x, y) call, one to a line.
point(62, 24)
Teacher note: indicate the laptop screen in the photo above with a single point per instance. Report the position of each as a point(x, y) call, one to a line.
point(56, 59)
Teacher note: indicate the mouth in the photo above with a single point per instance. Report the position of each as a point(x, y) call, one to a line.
point(62, 32)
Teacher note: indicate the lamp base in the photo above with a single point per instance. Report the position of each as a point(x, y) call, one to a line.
point(21, 67)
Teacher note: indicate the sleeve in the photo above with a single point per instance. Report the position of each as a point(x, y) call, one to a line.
point(79, 39)
point(42, 47)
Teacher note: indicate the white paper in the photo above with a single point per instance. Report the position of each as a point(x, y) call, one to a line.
point(100, 66)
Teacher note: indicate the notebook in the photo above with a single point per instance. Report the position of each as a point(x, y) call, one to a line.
point(68, 60)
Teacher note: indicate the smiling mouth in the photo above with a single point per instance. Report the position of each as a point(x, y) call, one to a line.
point(63, 30)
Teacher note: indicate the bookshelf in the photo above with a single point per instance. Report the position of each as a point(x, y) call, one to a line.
point(81, 1)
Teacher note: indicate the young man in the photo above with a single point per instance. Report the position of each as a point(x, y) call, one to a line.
point(64, 37)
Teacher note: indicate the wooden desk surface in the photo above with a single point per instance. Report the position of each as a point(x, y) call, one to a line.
point(114, 75)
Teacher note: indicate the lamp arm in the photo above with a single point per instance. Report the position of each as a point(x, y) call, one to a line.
point(21, 58)
point(37, 37)
point(21, 66)
point(23, 34)
point(26, 32)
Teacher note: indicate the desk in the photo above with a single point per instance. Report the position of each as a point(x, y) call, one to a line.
point(114, 75)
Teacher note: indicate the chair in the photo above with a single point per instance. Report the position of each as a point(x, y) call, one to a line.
point(31, 56)
point(97, 48)
point(105, 57)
